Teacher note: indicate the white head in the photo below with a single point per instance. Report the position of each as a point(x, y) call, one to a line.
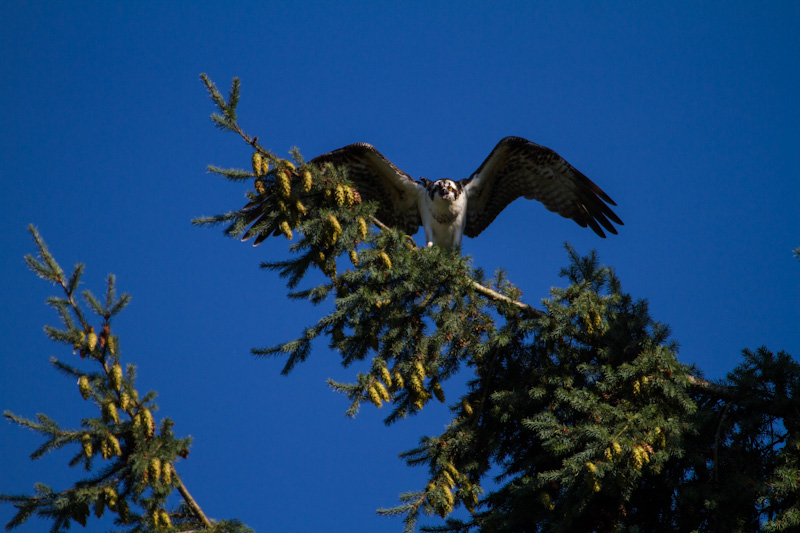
point(447, 190)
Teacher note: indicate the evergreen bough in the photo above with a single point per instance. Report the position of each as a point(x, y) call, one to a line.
point(128, 457)
point(578, 416)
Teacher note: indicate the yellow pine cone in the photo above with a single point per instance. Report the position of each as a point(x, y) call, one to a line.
point(420, 370)
point(374, 396)
point(113, 446)
point(86, 444)
point(451, 468)
point(415, 384)
point(283, 183)
point(286, 230)
point(616, 447)
point(639, 457)
point(467, 407)
point(147, 422)
point(116, 377)
point(384, 257)
point(110, 496)
point(591, 467)
point(449, 499)
point(105, 452)
point(83, 386)
point(398, 380)
point(384, 394)
point(110, 411)
point(91, 339)
point(163, 518)
point(113, 345)
point(124, 401)
point(287, 163)
point(299, 207)
point(334, 222)
point(257, 161)
point(386, 376)
point(339, 195)
point(154, 469)
point(448, 479)
point(362, 228)
point(166, 473)
point(354, 258)
point(79, 342)
point(438, 392)
point(349, 196)
point(419, 403)
point(259, 187)
point(307, 180)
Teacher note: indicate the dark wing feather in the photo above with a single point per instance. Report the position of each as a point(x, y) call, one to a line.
point(517, 167)
point(377, 179)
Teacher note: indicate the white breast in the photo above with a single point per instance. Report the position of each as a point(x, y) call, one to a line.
point(443, 220)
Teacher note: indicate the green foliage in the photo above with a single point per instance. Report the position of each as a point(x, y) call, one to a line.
point(128, 460)
point(577, 417)
point(581, 413)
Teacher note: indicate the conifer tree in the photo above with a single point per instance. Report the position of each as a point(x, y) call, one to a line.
point(578, 416)
point(580, 412)
point(128, 456)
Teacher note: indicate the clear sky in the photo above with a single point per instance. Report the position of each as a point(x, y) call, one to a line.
point(686, 113)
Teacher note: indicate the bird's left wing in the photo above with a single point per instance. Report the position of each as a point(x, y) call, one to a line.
point(376, 178)
point(518, 167)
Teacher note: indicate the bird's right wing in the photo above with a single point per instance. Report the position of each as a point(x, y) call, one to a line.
point(517, 167)
point(377, 179)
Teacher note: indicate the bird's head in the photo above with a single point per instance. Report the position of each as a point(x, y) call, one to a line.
point(447, 190)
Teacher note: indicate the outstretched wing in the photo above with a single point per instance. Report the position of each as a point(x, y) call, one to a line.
point(377, 179)
point(517, 167)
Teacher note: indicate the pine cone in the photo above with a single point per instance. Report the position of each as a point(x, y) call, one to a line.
point(307, 180)
point(286, 230)
point(116, 377)
point(257, 161)
point(438, 392)
point(91, 339)
point(386, 376)
point(84, 387)
point(384, 257)
point(362, 228)
point(86, 444)
point(374, 396)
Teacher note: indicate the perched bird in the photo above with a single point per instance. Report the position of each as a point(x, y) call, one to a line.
point(448, 209)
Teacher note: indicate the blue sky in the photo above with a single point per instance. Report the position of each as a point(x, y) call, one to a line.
point(686, 113)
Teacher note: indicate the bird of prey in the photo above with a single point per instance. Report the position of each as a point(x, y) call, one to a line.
point(449, 209)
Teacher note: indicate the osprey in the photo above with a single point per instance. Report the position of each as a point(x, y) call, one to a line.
point(448, 209)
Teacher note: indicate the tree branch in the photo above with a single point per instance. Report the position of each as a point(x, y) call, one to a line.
point(192, 503)
point(486, 291)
